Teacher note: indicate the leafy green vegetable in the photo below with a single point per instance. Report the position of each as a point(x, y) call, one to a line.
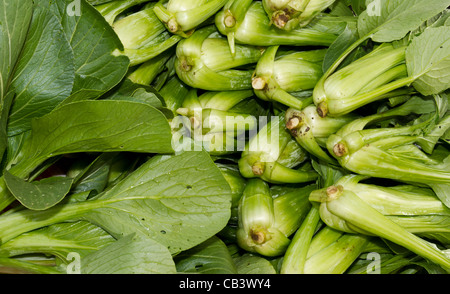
point(45, 73)
point(210, 257)
point(97, 66)
point(13, 31)
point(224, 137)
point(129, 255)
point(38, 195)
point(179, 201)
point(60, 240)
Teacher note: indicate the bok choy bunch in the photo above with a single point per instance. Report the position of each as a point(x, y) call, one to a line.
point(287, 76)
point(274, 156)
point(143, 35)
point(265, 223)
point(219, 121)
point(386, 212)
point(254, 28)
point(392, 152)
point(312, 131)
point(182, 17)
point(291, 14)
point(204, 61)
point(389, 70)
point(224, 137)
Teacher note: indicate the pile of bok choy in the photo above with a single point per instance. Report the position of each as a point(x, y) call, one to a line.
point(225, 136)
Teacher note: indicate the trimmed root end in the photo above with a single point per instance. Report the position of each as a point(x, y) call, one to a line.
point(293, 123)
point(280, 19)
point(258, 83)
point(258, 237)
point(258, 169)
point(172, 25)
point(340, 149)
point(322, 109)
point(229, 21)
point(333, 192)
point(185, 65)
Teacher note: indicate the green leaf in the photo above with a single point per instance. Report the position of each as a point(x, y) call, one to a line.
point(428, 60)
point(131, 254)
point(209, 257)
point(95, 126)
point(44, 73)
point(14, 22)
point(390, 20)
point(95, 176)
point(59, 240)
point(98, 67)
point(253, 264)
point(38, 195)
point(347, 37)
point(180, 201)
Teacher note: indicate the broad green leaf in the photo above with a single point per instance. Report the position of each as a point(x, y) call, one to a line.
point(94, 126)
point(209, 257)
point(94, 43)
point(428, 60)
point(253, 264)
point(44, 73)
point(390, 20)
point(180, 201)
point(59, 240)
point(131, 254)
point(38, 195)
point(14, 22)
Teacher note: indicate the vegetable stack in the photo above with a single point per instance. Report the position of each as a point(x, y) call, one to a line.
point(225, 136)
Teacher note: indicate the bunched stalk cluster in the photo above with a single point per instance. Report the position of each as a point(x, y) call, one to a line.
point(225, 136)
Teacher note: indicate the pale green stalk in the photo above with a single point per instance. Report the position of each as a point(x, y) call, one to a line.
point(296, 254)
point(310, 129)
point(262, 152)
point(111, 10)
point(343, 209)
point(183, 16)
point(256, 29)
point(230, 18)
point(147, 38)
